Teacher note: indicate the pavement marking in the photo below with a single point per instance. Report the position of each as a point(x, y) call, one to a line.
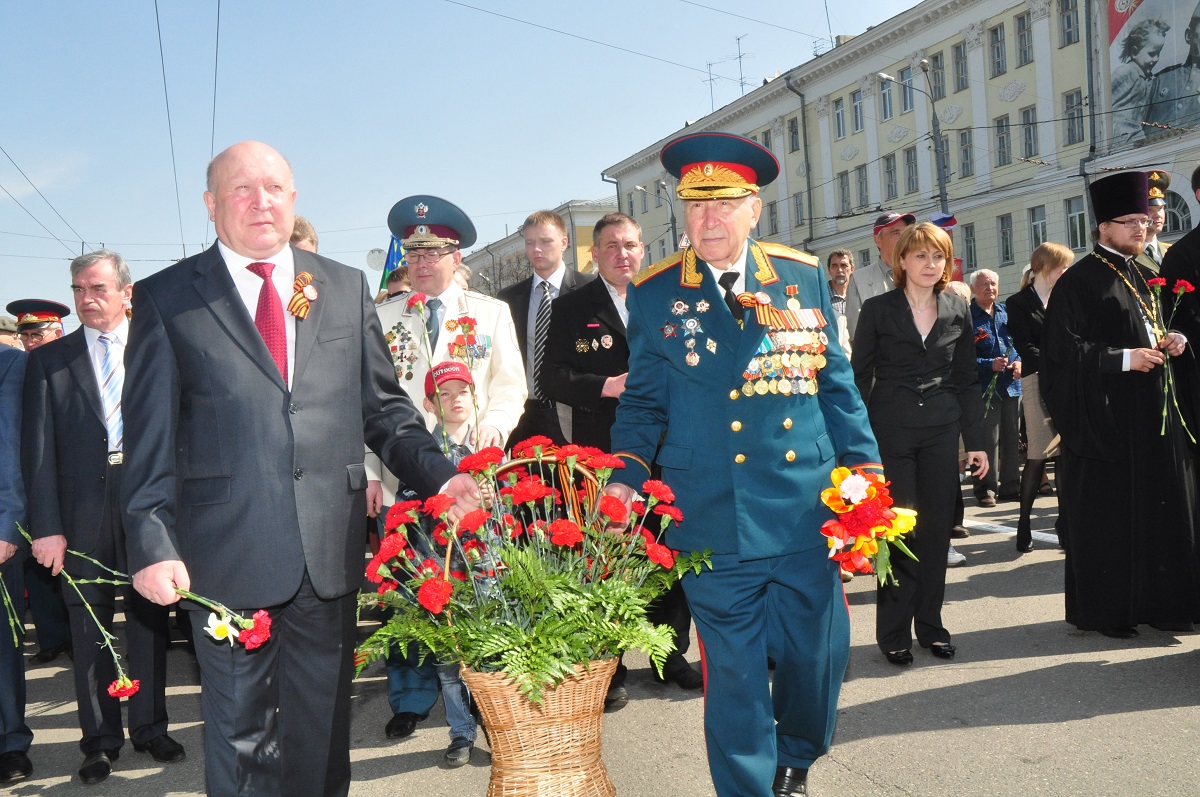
point(996, 528)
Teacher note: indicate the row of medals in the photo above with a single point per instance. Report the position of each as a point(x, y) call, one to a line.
point(787, 363)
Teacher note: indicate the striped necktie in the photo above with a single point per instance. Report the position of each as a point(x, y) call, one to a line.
point(541, 327)
point(112, 379)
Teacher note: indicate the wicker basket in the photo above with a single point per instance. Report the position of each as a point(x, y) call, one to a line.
point(551, 750)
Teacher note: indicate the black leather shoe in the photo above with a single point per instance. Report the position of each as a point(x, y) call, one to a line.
point(402, 724)
point(98, 766)
point(901, 658)
point(163, 748)
point(459, 752)
point(1118, 632)
point(790, 782)
point(47, 655)
point(1024, 546)
point(683, 675)
point(616, 699)
point(14, 765)
point(942, 650)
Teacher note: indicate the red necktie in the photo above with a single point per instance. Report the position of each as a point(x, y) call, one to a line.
point(268, 317)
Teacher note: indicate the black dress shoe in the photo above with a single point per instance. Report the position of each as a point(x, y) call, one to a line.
point(616, 699)
point(402, 724)
point(98, 766)
point(14, 765)
point(942, 650)
point(162, 748)
point(684, 676)
point(901, 658)
point(459, 752)
point(1024, 546)
point(1118, 632)
point(790, 782)
point(47, 655)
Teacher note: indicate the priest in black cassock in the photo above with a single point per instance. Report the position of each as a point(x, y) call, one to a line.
point(1127, 488)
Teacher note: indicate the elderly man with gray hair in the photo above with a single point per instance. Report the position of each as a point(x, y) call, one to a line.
point(1000, 380)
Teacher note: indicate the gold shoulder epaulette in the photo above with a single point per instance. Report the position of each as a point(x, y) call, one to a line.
point(788, 253)
point(662, 265)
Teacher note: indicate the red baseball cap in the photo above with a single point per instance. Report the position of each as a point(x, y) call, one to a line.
point(443, 372)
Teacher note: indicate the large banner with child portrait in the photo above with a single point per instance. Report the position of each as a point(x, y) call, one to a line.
point(1154, 48)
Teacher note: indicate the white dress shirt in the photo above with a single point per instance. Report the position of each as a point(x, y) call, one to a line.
point(248, 285)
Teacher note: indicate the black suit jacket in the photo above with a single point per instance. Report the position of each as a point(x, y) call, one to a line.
point(907, 382)
point(64, 444)
point(585, 345)
point(245, 480)
point(517, 297)
point(1026, 317)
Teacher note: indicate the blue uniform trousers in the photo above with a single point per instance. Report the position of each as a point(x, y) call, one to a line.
point(793, 609)
point(14, 732)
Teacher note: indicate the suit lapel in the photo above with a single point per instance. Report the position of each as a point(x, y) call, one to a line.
point(306, 328)
point(80, 366)
point(606, 311)
point(216, 288)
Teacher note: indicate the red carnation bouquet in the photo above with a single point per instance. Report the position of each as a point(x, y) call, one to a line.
point(867, 524)
point(553, 573)
point(1170, 394)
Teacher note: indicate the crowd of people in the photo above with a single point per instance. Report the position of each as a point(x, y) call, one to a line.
point(257, 402)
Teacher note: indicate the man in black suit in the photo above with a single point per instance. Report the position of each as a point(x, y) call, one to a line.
point(15, 736)
point(73, 451)
point(255, 374)
point(545, 242)
point(587, 360)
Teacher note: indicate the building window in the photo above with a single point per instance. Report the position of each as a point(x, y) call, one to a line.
point(797, 209)
point(860, 178)
point(632, 208)
point(856, 108)
point(1005, 234)
point(766, 138)
point(1179, 218)
point(662, 248)
point(658, 195)
point(962, 75)
point(969, 259)
point(1073, 114)
point(1024, 23)
point(912, 183)
point(645, 200)
point(885, 99)
point(997, 51)
point(772, 218)
point(890, 182)
point(1029, 137)
point(1003, 141)
point(793, 135)
point(839, 117)
point(864, 258)
point(843, 179)
point(1076, 223)
point(1037, 227)
point(906, 89)
point(937, 75)
point(966, 153)
point(1068, 22)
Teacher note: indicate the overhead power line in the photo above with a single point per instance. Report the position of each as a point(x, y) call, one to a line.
point(35, 218)
point(170, 132)
point(39, 193)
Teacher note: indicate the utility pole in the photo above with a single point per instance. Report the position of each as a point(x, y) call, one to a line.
point(712, 104)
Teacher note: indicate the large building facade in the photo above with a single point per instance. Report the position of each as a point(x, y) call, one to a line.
point(1031, 100)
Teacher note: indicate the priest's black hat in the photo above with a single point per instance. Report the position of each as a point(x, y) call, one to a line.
point(1121, 194)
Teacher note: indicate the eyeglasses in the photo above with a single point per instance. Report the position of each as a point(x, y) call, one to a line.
point(428, 255)
point(35, 335)
point(1133, 224)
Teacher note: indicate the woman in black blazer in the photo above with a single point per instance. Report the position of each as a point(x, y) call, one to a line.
point(914, 363)
point(1026, 315)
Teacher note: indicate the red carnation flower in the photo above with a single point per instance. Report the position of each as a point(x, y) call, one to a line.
point(401, 513)
point(602, 461)
point(124, 687)
point(416, 298)
point(530, 490)
point(565, 532)
point(481, 461)
point(259, 633)
point(434, 594)
point(661, 555)
point(438, 505)
point(387, 585)
point(613, 508)
point(673, 512)
point(530, 447)
point(391, 545)
point(571, 450)
point(473, 520)
point(439, 534)
point(658, 490)
point(1158, 282)
point(638, 508)
point(1182, 287)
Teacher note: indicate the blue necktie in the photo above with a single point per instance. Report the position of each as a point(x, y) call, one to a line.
point(112, 379)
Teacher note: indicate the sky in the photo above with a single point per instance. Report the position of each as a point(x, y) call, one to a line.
point(502, 107)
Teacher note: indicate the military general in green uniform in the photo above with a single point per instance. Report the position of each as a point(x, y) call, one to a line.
point(735, 365)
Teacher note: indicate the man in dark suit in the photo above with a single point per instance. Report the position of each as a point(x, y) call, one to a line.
point(255, 374)
point(748, 441)
point(15, 736)
point(73, 450)
point(545, 242)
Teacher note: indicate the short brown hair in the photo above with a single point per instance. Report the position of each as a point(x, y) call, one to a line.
point(918, 236)
point(612, 220)
point(545, 217)
point(304, 231)
point(846, 253)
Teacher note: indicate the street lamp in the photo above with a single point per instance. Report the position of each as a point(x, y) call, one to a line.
point(670, 208)
point(937, 130)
